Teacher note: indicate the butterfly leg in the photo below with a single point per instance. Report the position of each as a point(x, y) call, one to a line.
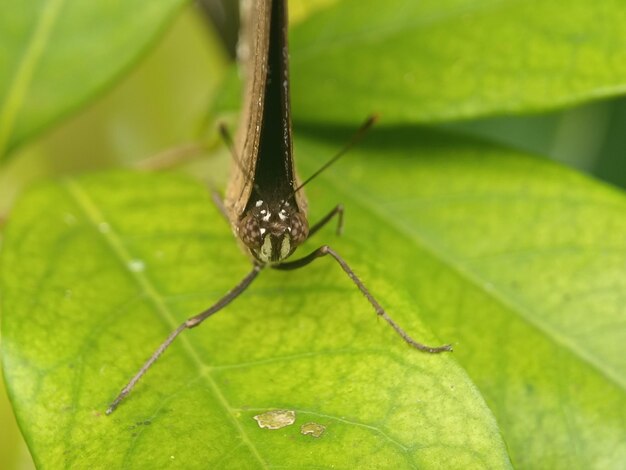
point(172, 158)
point(219, 203)
point(190, 323)
point(337, 211)
point(326, 250)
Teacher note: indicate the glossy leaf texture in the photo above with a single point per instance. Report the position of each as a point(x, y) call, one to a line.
point(433, 61)
point(56, 54)
point(520, 262)
point(96, 271)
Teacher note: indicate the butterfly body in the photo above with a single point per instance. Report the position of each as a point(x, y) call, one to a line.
point(266, 209)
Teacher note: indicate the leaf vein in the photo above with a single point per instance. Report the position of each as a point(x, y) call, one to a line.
point(465, 270)
point(115, 243)
point(23, 75)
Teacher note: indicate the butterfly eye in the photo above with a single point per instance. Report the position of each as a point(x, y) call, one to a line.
point(250, 232)
point(299, 229)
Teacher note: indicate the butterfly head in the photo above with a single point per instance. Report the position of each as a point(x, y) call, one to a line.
point(272, 231)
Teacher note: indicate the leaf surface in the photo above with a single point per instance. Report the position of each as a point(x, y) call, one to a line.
point(521, 263)
point(58, 53)
point(97, 271)
point(434, 60)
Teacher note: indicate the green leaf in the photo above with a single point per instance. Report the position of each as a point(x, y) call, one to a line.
point(96, 271)
point(439, 60)
point(518, 261)
point(56, 54)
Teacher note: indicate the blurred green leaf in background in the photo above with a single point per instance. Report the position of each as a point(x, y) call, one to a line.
point(57, 54)
point(456, 218)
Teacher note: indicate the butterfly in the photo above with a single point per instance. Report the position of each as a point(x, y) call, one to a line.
point(265, 202)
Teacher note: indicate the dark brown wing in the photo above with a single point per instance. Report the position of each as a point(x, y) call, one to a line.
point(264, 139)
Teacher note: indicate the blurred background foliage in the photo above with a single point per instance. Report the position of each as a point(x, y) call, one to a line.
point(163, 100)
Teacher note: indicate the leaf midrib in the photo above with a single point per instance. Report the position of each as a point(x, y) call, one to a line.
point(115, 243)
point(18, 88)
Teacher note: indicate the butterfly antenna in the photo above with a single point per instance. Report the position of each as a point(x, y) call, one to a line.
point(356, 138)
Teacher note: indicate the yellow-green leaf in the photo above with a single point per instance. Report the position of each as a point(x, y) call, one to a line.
point(440, 60)
point(96, 271)
point(521, 262)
